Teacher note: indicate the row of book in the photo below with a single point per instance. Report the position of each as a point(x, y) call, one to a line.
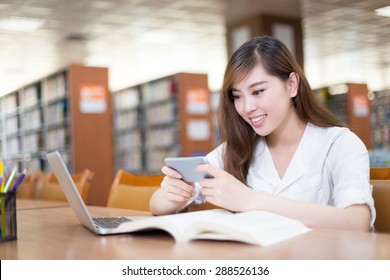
point(126, 120)
point(56, 113)
point(34, 142)
point(29, 96)
point(54, 87)
point(145, 118)
point(379, 158)
point(165, 113)
point(131, 140)
point(130, 160)
point(161, 137)
point(127, 99)
point(158, 90)
point(12, 145)
point(380, 120)
point(31, 119)
point(56, 138)
point(155, 157)
point(8, 103)
point(11, 125)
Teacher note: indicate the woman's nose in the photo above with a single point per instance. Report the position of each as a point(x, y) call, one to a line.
point(250, 105)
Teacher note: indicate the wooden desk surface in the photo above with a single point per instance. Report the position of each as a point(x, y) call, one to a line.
point(28, 204)
point(55, 233)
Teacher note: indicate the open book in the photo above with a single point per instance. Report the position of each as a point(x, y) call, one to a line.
point(254, 227)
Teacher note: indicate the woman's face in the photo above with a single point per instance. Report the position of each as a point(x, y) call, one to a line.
point(264, 101)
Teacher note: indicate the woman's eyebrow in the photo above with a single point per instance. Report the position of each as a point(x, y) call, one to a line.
point(257, 84)
point(251, 85)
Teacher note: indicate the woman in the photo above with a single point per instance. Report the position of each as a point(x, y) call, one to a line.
point(282, 150)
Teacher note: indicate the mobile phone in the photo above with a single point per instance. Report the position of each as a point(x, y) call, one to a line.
point(186, 167)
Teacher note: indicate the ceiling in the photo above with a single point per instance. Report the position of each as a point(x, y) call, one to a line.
point(139, 40)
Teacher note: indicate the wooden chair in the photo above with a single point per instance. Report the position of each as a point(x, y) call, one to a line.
point(381, 195)
point(29, 186)
point(132, 191)
point(380, 173)
point(52, 189)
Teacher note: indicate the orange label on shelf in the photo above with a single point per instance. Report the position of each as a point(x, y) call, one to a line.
point(360, 106)
point(197, 101)
point(93, 99)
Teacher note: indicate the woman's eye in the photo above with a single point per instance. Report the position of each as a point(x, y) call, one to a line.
point(257, 92)
point(235, 97)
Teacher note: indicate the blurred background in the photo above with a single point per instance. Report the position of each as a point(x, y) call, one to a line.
point(122, 84)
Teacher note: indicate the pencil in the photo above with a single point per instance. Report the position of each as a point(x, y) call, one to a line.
point(10, 179)
point(2, 175)
point(19, 181)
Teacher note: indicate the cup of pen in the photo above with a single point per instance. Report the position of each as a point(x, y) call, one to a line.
point(8, 216)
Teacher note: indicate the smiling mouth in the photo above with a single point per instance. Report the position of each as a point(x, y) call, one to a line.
point(257, 119)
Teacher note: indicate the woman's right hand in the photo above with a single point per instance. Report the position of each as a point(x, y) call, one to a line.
point(174, 188)
point(172, 194)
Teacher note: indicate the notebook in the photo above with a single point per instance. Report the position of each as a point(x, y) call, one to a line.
point(98, 225)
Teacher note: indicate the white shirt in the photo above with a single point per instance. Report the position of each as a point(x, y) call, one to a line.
point(330, 166)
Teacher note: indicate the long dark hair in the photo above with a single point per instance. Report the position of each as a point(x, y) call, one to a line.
point(238, 136)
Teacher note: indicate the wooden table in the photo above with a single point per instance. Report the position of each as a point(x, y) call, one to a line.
point(29, 204)
point(55, 233)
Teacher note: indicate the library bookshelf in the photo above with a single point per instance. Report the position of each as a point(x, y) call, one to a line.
point(68, 111)
point(381, 119)
point(350, 103)
point(170, 116)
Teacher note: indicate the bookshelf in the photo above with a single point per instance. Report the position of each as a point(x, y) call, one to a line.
point(350, 103)
point(170, 116)
point(69, 111)
point(381, 119)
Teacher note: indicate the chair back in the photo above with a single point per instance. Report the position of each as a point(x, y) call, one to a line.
point(380, 173)
point(381, 195)
point(30, 184)
point(133, 191)
point(53, 191)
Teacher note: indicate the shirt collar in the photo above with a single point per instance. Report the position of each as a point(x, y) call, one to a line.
point(265, 168)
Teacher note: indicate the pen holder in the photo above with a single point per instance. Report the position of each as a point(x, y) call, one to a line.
point(8, 216)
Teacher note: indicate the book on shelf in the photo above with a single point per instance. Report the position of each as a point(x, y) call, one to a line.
point(252, 227)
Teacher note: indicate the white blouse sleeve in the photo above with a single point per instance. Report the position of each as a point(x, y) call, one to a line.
point(349, 165)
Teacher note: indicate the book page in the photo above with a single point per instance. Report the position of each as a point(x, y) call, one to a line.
point(175, 224)
point(254, 227)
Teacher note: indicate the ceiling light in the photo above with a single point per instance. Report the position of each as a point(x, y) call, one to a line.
point(385, 11)
point(21, 24)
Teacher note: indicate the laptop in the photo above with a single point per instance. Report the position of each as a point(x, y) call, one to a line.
point(98, 225)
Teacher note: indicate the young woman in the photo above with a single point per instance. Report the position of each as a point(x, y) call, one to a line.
point(282, 150)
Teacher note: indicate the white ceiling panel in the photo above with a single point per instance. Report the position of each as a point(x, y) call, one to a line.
point(139, 40)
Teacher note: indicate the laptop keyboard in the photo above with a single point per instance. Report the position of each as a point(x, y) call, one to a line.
point(110, 222)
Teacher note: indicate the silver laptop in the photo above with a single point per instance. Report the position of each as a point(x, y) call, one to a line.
point(99, 225)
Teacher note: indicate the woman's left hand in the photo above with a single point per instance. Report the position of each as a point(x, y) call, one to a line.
point(223, 189)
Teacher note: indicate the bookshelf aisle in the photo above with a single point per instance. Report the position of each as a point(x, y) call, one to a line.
point(68, 111)
point(380, 156)
point(350, 103)
point(170, 116)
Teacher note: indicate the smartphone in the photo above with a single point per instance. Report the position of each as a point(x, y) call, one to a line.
point(186, 167)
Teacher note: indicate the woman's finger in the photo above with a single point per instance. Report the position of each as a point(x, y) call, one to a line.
point(210, 170)
point(177, 186)
point(170, 172)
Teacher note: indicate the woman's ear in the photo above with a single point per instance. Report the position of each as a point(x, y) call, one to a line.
point(293, 83)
